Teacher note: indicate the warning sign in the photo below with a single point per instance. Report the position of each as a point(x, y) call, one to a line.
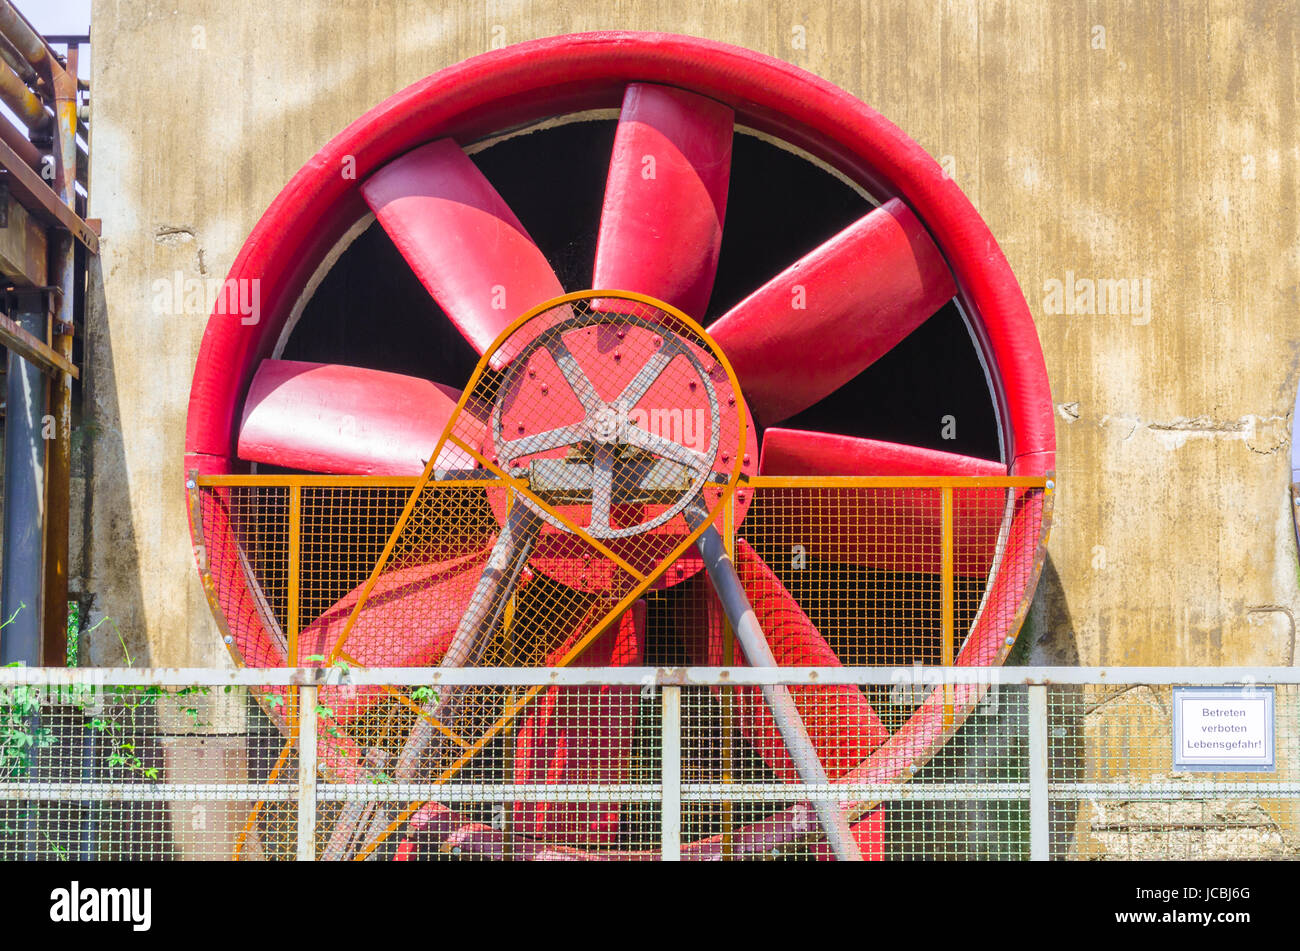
point(1218, 729)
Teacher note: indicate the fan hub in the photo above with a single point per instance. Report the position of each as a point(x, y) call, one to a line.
point(607, 424)
point(625, 401)
point(619, 414)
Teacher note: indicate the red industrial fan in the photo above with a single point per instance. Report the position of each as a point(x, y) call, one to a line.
point(624, 417)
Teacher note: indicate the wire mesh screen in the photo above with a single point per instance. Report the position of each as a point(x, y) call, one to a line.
point(575, 773)
point(286, 558)
point(741, 795)
point(1119, 795)
point(866, 560)
point(94, 772)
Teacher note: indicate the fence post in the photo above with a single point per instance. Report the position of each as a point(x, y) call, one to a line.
point(307, 773)
point(727, 693)
point(670, 727)
point(295, 569)
point(947, 636)
point(1038, 805)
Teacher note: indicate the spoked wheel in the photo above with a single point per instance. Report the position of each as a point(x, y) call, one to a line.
point(625, 419)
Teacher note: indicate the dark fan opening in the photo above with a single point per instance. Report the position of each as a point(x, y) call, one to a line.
point(371, 311)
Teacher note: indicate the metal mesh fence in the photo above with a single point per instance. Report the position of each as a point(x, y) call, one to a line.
point(629, 764)
point(852, 572)
point(96, 771)
point(1121, 796)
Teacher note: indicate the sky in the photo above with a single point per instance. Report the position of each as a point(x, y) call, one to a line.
point(57, 16)
point(60, 16)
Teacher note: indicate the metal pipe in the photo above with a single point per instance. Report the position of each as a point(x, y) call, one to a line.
point(753, 643)
point(15, 28)
point(24, 483)
point(25, 104)
point(947, 637)
point(489, 792)
point(307, 702)
point(17, 61)
point(1039, 824)
point(65, 113)
point(22, 146)
point(670, 805)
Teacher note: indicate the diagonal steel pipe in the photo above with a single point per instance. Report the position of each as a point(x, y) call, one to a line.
point(753, 642)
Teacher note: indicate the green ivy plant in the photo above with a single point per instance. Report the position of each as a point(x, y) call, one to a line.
point(112, 713)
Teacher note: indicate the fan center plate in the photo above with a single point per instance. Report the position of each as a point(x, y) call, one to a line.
point(619, 422)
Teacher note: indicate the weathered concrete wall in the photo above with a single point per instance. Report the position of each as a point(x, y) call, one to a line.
point(1103, 141)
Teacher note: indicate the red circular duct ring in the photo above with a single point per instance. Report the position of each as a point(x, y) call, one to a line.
point(564, 74)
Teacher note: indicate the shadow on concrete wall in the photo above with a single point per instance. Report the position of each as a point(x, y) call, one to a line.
point(992, 746)
point(111, 602)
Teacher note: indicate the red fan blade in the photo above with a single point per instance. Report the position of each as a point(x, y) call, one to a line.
point(408, 620)
point(582, 735)
point(841, 723)
point(834, 312)
point(904, 523)
point(462, 240)
point(665, 197)
point(794, 452)
point(324, 417)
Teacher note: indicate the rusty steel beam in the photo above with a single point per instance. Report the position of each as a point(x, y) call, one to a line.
point(58, 494)
point(37, 197)
point(58, 456)
point(31, 348)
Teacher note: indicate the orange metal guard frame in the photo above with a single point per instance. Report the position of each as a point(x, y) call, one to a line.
point(588, 502)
